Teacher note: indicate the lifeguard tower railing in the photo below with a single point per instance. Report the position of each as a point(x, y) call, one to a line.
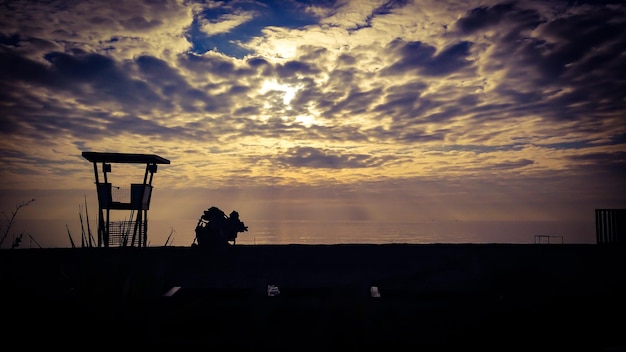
point(136, 199)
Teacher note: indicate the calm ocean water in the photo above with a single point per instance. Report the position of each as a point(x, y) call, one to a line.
point(54, 233)
point(307, 232)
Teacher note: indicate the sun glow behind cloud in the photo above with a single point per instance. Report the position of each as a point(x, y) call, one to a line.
point(289, 91)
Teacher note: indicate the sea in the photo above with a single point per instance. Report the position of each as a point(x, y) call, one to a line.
point(52, 233)
point(352, 232)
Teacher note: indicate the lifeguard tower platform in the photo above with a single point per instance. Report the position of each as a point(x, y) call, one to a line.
point(134, 231)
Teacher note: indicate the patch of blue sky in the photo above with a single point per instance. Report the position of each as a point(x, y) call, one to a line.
point(266, 14)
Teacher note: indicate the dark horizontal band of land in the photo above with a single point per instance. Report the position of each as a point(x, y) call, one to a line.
point(434, 296)
point(318, 264)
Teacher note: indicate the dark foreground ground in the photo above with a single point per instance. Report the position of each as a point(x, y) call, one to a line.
point(432, 297)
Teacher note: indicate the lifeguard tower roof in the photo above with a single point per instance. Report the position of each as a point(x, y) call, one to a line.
point(127, 158)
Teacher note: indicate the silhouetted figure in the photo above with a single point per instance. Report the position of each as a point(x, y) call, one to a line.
point(215, 229)
point(235, 226)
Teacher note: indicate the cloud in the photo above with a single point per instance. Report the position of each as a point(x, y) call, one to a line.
point(484, 17)
point(320, 158)
point(125, 30)
point(423, 58)
point(225, 23)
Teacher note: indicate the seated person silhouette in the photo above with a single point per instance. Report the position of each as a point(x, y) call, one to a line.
point(215, 229)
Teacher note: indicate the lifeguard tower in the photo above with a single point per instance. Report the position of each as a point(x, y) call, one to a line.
point(132, 233)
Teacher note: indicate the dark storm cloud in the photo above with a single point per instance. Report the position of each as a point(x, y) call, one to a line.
point(174, 87)
point(251, 110)
point(404, 102)
point(591, 60)
point(238, 89)
point(398, 106)
point(483, 17)
point(420, 136)
point(511, 23)
point(94, 79)
point(292, 68)
point(509, 165)
point(352, 102)
point(422, 58)
point(412, 55)
point(90, 78)
point(15, 67)
point(73, 73)
point(158, 71)
point(140, 23)
point(10, 40)
point(79, 67)
point(201, 64)
point(569, 68)
point(326, 159)
point(449, 60)
point(346, 59)
point(257, 61)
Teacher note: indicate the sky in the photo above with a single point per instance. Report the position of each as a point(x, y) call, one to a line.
point(321, 111)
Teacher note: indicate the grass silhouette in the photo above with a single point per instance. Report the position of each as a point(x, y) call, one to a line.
point(10, 221)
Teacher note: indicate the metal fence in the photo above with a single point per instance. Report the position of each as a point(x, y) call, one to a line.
point(610, 226)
